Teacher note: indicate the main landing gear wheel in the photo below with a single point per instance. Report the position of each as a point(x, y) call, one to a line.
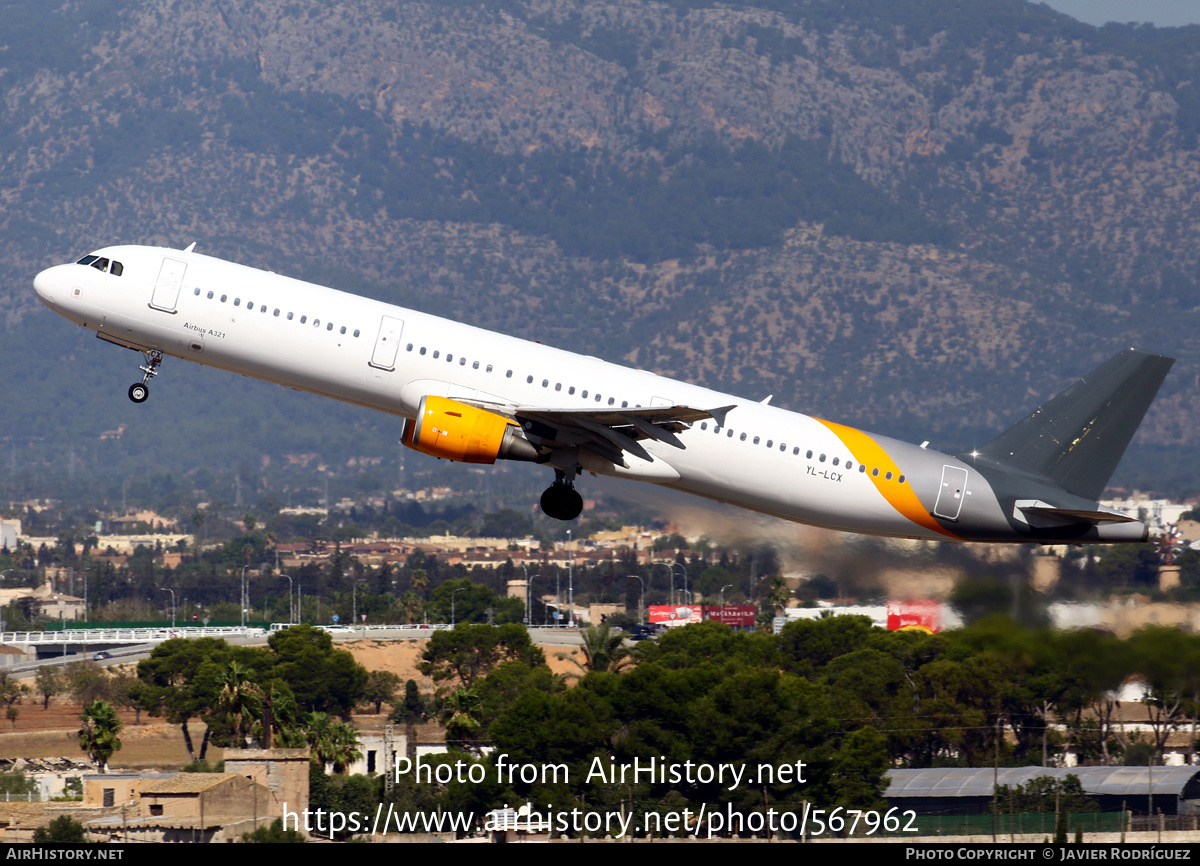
point(138, 392)
point(561, 501)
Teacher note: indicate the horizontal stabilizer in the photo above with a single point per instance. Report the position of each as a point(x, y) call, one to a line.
point(1071, 515)
point(1078, 437)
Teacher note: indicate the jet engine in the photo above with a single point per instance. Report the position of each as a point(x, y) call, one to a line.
point(455, 431)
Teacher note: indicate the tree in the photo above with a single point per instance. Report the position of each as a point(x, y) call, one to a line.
point(381, 688)
point(98, 733)
point(462, 601)
point(177, 684)
point(331, 742)
point(49, 682)
point(87, 682)
point(17, 784)
point(240, 697)
point(412, 708)
point(322, 679)
point(603, 650)
point(126, 692)
point(506, 523)
point(461, 718)
point(63, 829)
point(11, 691)
point(1044, 794)
point(469, 652)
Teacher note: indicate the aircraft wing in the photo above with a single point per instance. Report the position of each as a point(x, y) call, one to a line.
point(608, 432)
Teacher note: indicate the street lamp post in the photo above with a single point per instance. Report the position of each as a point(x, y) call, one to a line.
point(291, 603)
point(354, 599)
point(452, 600)
point(571, 578)
point(528, 596)
point(671, 572)
point(243, 605)
point(172, 604)
point(685, 577)
point(642, 600)
point(4, 574)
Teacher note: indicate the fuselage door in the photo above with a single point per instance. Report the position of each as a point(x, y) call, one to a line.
point(951, 493)
point(166, 287)
point(387, 344)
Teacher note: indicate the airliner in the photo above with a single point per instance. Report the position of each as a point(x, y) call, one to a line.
point(476, 396)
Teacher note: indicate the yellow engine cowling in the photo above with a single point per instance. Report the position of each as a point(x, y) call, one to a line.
point(455, 431)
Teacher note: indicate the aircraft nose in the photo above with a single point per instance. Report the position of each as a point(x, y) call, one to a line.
point(45, 284)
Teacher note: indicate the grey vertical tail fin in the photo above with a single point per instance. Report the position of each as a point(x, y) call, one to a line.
point(1078, 437)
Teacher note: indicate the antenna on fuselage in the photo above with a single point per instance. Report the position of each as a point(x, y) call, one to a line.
point(190, 247)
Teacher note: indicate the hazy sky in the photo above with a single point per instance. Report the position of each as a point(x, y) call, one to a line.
point(1163, 13)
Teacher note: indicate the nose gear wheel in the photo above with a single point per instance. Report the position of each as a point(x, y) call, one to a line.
point(139, 391)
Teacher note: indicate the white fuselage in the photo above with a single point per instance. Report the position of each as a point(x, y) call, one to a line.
point(385, 357)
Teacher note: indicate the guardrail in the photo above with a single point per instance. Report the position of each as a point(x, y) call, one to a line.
point(123, 635)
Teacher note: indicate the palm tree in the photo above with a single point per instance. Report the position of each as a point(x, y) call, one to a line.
point(98, 733)
point(461, 717)
point(332, 742)
point(278, 728)
point(603, 650)
point(241, 697)
point(411, 603)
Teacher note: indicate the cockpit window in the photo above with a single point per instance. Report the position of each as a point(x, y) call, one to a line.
point(103, 265)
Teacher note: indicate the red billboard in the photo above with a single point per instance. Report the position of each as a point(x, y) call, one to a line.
point(740, 615)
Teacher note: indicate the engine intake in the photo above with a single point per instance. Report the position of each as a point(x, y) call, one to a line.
point(455, 431)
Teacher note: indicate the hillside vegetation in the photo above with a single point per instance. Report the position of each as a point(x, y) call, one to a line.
point(919, 217)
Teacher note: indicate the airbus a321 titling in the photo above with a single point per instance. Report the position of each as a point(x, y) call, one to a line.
point(475, 396)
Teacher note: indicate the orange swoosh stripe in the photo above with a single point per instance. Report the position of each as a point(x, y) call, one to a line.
point(900, 496)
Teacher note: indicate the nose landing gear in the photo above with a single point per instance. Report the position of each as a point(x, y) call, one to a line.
point(560, 500)
point(139, 391)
